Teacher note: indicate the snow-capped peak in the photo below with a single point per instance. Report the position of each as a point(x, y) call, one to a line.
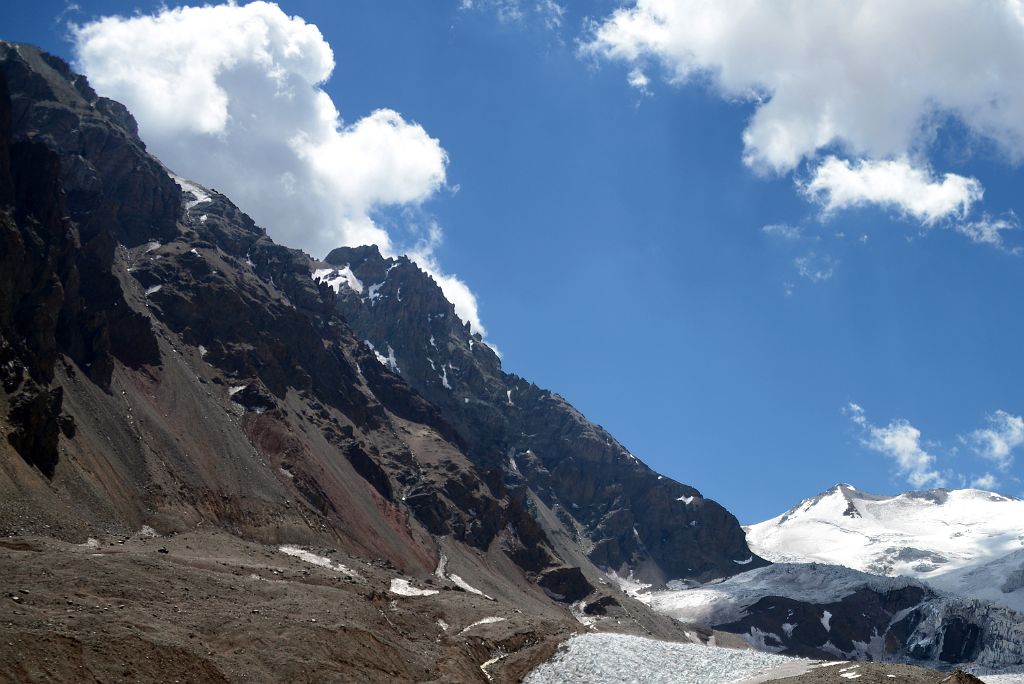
point(967, 541)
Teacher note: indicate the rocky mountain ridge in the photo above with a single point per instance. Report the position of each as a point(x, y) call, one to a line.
point(581, 484)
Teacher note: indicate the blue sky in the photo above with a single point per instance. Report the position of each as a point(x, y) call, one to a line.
point(613, 237)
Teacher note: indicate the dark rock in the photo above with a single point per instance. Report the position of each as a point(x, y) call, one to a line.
point(35, 417)
point(566, 584)
point(859, 617)
point(961, 641)
point(601, 605)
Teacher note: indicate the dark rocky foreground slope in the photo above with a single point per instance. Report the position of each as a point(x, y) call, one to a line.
point(166, 367)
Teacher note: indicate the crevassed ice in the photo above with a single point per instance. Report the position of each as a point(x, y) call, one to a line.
point(619, 658)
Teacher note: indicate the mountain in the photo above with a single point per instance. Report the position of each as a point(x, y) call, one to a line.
point(184, 398)
point(592, 496)
point(965, 541)
point(932, 578)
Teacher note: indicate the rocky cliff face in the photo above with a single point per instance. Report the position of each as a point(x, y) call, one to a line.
point(591, 492)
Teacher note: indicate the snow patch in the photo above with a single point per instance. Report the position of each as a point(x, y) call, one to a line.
point(336, 277)
point(486, 664)
point(826, 621)
point(153, 290)
point(388, 361)
point(686, 499)
point(629, 585)
point(403, 588)
point(373, 293)
point(314, 559)
point(465, 586)
point(481, 621)
point(198, 194)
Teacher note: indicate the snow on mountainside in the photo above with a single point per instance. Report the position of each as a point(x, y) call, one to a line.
point(965, 541)
point(823, 611)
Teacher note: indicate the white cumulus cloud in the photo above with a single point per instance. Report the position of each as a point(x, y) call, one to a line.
point(901, 442)
point(872, 79)
point(232, 96)
point(998, 441)
point(838, 184)
point(866, 74)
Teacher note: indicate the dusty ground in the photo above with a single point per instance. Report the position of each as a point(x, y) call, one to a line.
point(208, 607)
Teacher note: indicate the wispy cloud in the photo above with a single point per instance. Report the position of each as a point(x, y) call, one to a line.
point(816, 268)
point(901, 442)
point(990, 230)
point(998, 442)
point(988, 481)
point(549, 13)
point(782, 230)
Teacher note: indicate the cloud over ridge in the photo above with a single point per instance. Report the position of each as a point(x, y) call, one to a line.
point(231, 96)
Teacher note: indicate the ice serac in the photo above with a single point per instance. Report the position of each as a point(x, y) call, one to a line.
point(965, 541)
point(592, 495)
